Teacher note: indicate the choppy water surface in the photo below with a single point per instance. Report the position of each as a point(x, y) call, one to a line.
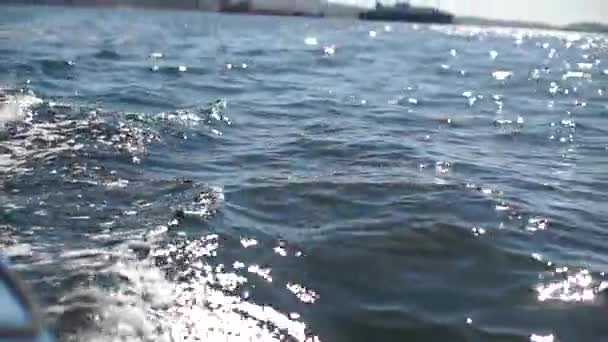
point(185, 176)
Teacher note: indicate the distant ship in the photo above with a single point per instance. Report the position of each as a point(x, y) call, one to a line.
point(403, 11)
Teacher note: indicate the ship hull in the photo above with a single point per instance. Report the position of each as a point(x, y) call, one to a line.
point(434, 16)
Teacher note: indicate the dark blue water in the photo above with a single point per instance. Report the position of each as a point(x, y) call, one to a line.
point(174, 176)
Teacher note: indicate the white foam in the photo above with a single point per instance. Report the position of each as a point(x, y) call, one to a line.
point(575, 74)
point(541, 338)
point(501, 75)
point(16, 107)
point(311, 41)
point(21, 249)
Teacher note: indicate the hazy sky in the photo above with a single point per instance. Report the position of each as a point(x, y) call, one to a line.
point(549, 11)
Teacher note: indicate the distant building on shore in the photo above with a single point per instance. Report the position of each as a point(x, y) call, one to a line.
point(278, 7)
point(329, 8)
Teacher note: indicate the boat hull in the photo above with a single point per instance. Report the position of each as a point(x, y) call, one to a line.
point(417, 16)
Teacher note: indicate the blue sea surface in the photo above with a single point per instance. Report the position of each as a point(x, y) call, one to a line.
point(182, 176)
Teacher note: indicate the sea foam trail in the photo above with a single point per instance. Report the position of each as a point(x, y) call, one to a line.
point(16, 107)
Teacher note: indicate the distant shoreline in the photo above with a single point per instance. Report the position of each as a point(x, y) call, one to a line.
point(576, 27)
point(205, 6)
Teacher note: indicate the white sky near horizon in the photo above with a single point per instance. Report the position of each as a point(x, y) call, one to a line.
point(557, 12)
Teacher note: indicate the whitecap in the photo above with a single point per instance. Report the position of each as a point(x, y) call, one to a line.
point(16, 107)
point(501, 75)
point(541, 338)
point(575, 74)
point(311, 41)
